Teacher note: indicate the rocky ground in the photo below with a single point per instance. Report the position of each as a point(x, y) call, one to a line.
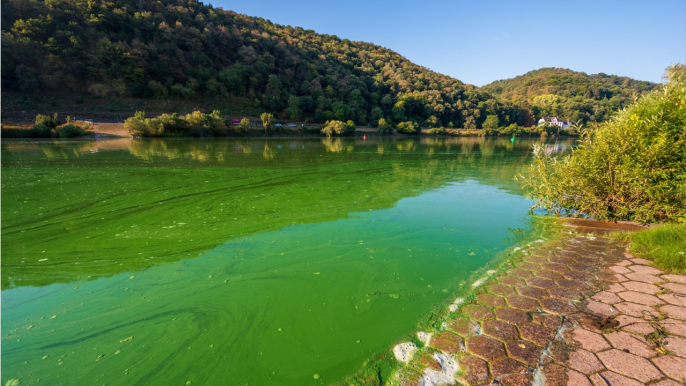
point(579, 310)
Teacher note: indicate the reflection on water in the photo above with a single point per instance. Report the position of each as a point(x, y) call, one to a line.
point(309, 255)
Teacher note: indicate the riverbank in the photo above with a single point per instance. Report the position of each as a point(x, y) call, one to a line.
point(576, 309)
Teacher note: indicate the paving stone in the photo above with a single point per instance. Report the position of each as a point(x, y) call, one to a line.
point(541, 283)
point(629, 365)
point(589, 340)
point(571, 284)
point(609, 378)
point(501, 289)
point(513, 281)
point(584, 361)
point(523, 303)
point(624, 263)
point(675, 287)
point(447, 342)
point(554, 374)
point(668, 382)
point(620, 269)
point(673, 299)
point(674, 327)
point(548, 320)
point(600, 308)
point(636, 310)
point(575, 378)
point(537, 259)
point(637, 325)
point(557, 306)
point(536, 333)
point(640, 261)
point(615, 287)
point(524, 351)
point(477, 312)
point(638, 286)
point(672, 367)
point(675, 278)
point(564, 293)
point(637, 297)
point(516, 380)
point(606, 297)
point(675, 345)
point(500, 330)
point(490, 300)
point(620, 278)
point(645, 269)
point(529, 266)
point(507, 366)
point(561, 268)
point(631, 344)
point(547, 274)
point(520, 273)
point(485, 347)
point(579, 275)
point(475, 370)
point(462, 326)
point(644, 277)
point(533, 292)
point(511, 315)
point(674, 312)
point(428, 361)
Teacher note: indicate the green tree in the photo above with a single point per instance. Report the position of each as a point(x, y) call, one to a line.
point(492, 122)
point(384, 127)
point(629, 168)
point(294, 110)
point(407, 127)
point(266, 121)
point(335, 127)
point(244, 126)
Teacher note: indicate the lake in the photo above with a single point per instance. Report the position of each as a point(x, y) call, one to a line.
point(241, 262)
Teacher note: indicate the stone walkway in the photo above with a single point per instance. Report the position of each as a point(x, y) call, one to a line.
point(579, 311)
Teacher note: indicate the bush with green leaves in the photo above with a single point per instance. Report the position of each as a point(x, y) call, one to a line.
point(407, 127)
point(629, 168)
point(335, 127)
point(70, 131)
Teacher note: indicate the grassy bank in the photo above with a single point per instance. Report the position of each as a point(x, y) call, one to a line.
point(664, 245)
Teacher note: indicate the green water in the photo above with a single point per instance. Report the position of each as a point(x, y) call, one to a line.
point(239, 262)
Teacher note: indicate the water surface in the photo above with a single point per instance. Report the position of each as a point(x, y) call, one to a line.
point(239, 261)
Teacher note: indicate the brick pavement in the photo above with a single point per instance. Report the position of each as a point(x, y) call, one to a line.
point(577, 311)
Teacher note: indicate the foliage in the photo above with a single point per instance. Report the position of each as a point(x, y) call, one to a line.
point(244, 126)
point(663, 244)
point(567, 94)
point(408, 127)
point(384, 127)
point(267, 119)
point(334, 127)
point(185, 50)
point(47, 120)
point(70, 131)
point(630, 168)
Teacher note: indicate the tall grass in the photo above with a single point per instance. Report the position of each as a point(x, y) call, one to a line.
point(665, 245)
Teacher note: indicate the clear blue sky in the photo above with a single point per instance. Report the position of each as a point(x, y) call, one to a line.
point(479, 41)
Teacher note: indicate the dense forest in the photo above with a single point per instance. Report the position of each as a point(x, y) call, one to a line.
point(185, 50)
point(569, 94)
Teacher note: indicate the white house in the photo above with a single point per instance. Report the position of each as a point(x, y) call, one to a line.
point(554, 121)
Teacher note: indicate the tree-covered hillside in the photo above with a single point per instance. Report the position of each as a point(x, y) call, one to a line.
point(183, 49)
point(569, 94)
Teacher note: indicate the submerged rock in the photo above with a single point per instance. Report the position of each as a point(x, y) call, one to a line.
point(424, 337)
point(446, 376)
point(404, 351)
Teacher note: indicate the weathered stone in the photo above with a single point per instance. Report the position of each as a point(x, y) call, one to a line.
point(555, 267)
point(672, 367)
point(611, 378)
point(490, 300)
point(564, 293)
point(668, 382)
point(447, 342)
point(645, 269)
point(554, 374)
point(620, 278)
point(523, 303)
point(529, 266)
point(548, 320)
point(513, 281)
point(462, 326)
point(404, 351)
point(571, 284)
point(500, 330)
point(520, 273)
point(533, 292)
point(485, 347)
point(615, 287)
point(557, 306)
point(637, 297)
point(675, 288)
point(541, 283)
point(501, 289)
point(475, 370)
point(428, 361)
point(536, 333)
point(590, 340)
point(624, 263)
point(675, 278)
point(675, 345)
point(477, 312)
point(643, 277)
point(636, 310)
point(511, 315)
point(629, 365)
point(674, 327)
point(620, 269)
point(630, 344)
point(507, 366)
point(516, 380)
point(600, 308)
point(640, 261)
point(674, 312)
point(579, 275)
point(672, 299)
point(584, 361)
point(524, 351)
point(547, 274)
point(640, 287)
point(637, 325)
point(606, 297)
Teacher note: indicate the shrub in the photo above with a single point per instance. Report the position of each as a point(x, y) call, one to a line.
point(408, 127)
point(629, 168)
point(338, 128)
point(664, 245)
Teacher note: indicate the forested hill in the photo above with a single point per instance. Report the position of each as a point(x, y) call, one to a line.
point(568, 94)
point(183, 49)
